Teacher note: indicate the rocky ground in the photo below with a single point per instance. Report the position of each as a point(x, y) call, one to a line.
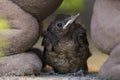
point(88, 77)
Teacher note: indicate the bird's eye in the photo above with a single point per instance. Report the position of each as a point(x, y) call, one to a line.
point(60, 25)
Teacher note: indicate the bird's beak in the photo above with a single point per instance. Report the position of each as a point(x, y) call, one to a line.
point(70, 20)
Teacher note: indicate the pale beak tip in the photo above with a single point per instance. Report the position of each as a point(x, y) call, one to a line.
point(71, 20)
point(77, 15)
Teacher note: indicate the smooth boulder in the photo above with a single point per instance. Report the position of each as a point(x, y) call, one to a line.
point(105, 33)
point(24, 29)
point(27, 63)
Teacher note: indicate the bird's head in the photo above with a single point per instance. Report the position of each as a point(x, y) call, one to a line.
point(62, 24)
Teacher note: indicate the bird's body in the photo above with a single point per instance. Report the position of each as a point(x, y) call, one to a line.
point(66, 53)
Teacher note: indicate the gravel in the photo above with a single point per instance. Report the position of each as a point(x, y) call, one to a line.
point(88, 77)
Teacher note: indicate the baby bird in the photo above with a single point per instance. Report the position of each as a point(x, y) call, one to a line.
point(66, 48)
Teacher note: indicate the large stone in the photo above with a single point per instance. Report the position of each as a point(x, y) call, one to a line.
point(105, 32)
point(24, 29)
point(39, 8)
point(105, 25)
point(27, 63)
point(86, 14)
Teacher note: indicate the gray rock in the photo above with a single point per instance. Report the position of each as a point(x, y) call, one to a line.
point(39, 8)
point(86, 14)
point(27, 63)
point(22, 33)
point(24, 30)
point(105, 33)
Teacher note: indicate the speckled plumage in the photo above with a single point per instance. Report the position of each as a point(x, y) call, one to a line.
point(66, 51)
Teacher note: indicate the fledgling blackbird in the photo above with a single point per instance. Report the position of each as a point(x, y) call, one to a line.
point(66, 48)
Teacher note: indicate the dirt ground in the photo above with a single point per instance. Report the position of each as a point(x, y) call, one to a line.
point(96, 60)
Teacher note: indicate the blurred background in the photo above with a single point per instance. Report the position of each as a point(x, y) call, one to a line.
point(85, 8)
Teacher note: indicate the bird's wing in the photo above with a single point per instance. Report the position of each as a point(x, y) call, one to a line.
point(47, 45)
point(45, 41)
point(82, 41)
point(82, 37)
